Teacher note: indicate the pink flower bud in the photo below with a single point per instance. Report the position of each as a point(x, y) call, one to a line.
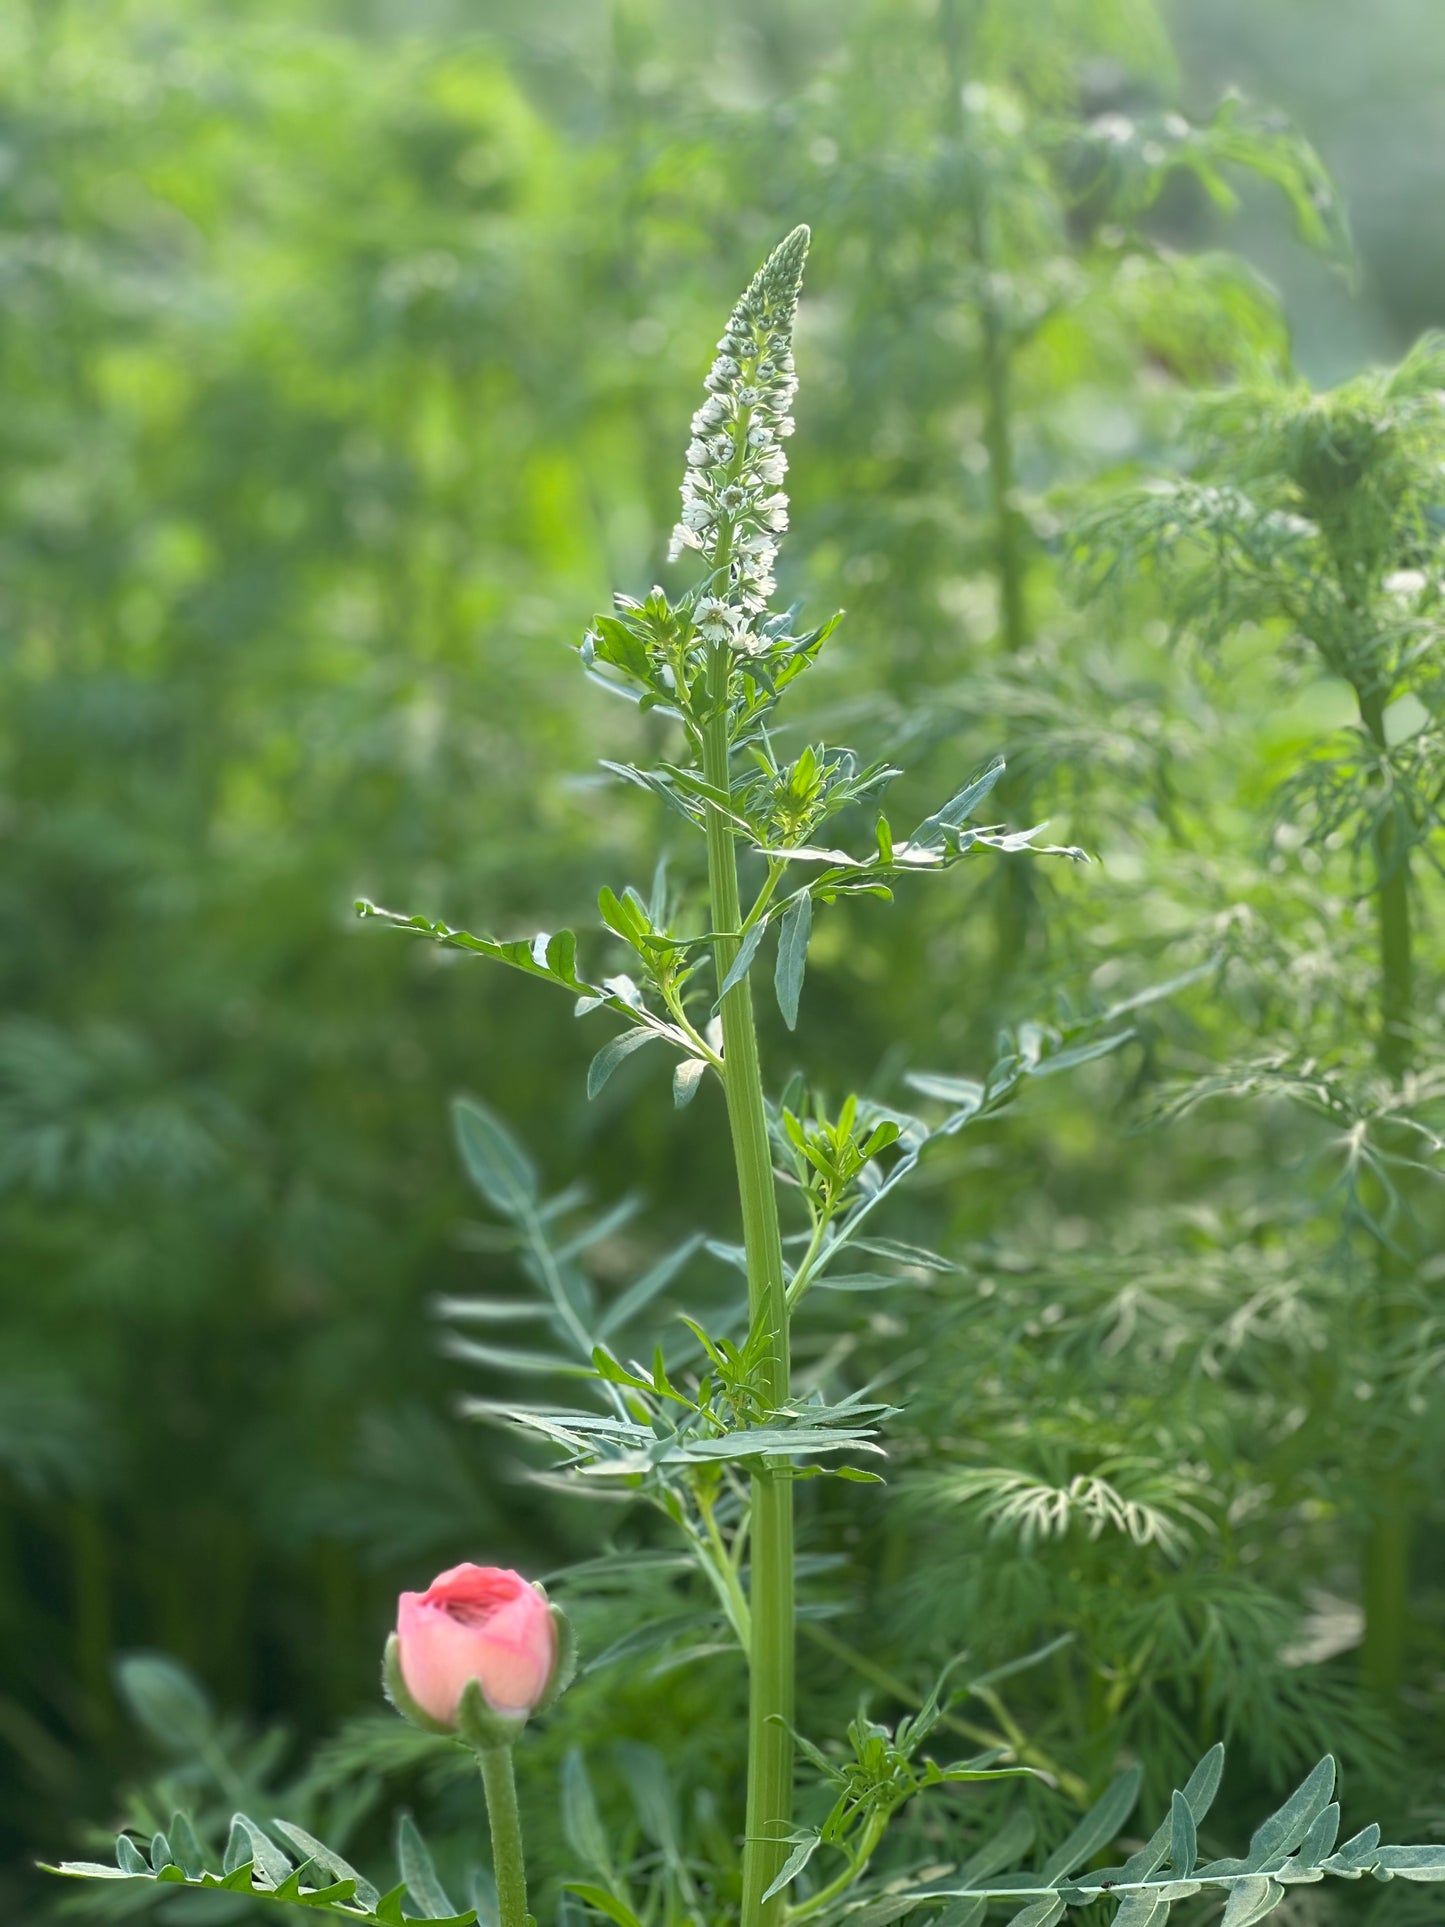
point(476, 1623)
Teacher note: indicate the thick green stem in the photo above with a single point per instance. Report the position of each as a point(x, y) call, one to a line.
point(499, 1784)
point(770, 1713)
point(1387, 1544)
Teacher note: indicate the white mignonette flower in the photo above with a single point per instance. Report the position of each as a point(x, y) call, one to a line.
point(715, 620)
point(752, 374)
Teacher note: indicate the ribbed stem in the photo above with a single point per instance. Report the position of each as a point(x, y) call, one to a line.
point(1386, 1579)
point(770, 1709)
point(499, 1784)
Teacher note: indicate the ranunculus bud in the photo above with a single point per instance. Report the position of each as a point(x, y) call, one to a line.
point(482, 1625)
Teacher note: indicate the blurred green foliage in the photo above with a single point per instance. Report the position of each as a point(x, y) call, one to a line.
point(345, 356)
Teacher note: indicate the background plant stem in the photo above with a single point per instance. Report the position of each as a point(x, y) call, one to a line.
point(770, 1711)
point(500, 1786)
point(1387, 1542)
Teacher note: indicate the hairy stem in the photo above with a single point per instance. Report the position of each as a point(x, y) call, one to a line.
point(499, 1784)
point(770, 1713)
point(1387, 1544)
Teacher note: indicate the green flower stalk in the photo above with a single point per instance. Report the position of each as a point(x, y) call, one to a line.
point(474, 1656)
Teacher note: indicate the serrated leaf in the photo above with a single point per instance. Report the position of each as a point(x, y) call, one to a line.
point(612, 1054)
point(742, 963)
point(1097, 1828)
point(793, 935)
point(414, 1859)
point(495, 1162)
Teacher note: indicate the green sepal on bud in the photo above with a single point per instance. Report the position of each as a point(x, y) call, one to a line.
point(564, 1667)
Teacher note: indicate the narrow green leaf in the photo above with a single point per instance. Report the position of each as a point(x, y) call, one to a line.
point(420, 1876)
point(742, 962)
point(161, 1855)
point(613, 1053)
point(605, 1903)
point(794, 1865)
point(495, 1162)
point(793, 935)
point(1097, 1828)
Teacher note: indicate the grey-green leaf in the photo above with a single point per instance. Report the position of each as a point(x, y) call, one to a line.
point(793, 935)
point(1250, 1900)
point(1285, 1828)
point(249, 1841)
point(420, 1875)
point(1097, 1828)
point(328, 1860)
point(165, 1700)
point(495, 1162)
point(1183, 1838)
point(613, 1053)
point(686, 1080)
point(581, 1822)
point(128, 1856)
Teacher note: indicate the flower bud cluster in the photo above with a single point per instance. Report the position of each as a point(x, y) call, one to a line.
point(733, 507)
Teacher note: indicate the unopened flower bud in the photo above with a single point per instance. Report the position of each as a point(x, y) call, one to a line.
point(475, 1654)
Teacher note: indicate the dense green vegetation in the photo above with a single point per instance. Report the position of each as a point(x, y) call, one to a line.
point(344, 370)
